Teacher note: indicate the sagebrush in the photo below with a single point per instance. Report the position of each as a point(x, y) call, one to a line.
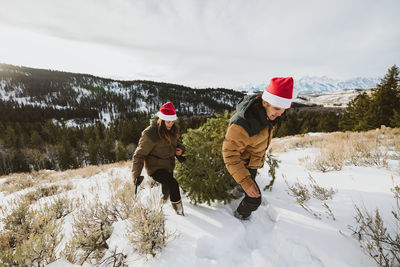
point(378, 239)
point(303, 193)
point(30, 237)
point(146, 228)
point(91, 228)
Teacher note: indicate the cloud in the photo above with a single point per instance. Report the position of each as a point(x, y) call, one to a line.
point(209, 43)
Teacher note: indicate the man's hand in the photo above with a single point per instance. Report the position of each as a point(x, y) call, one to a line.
point(252, 191)
point(178, 151)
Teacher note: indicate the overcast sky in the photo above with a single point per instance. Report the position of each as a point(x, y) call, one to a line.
point(203, 43)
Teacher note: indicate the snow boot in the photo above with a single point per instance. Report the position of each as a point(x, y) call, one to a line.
point(178, 207)
point(239, 216)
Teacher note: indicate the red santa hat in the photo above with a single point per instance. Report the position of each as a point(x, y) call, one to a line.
point(279, 92)
point(167, 112)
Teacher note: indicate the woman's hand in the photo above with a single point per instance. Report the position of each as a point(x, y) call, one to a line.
point(178, 151)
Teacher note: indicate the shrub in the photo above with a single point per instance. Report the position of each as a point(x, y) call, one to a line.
point(320, 192)
point(301, 193)
point(92, 227)
point(40, 248)
point(16, 183)
point(298, 191)
point(380, 244)
point(18, 222)
point(123, 201)
point(29, 237)
point(398, 170)
point(6, 251)
point(116, 259)
point(396, 148)
point(328, 160)
point(20, 181)
point(146, 226)
point(203, 175)
point(42, 191)
point(60, 207)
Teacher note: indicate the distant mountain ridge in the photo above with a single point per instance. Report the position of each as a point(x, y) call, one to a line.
point(91, 99)
point(315, 84)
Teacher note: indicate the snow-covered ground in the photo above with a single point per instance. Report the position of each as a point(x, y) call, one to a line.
point(279, 233)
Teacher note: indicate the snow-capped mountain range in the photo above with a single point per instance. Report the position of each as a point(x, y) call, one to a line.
point(315, 84)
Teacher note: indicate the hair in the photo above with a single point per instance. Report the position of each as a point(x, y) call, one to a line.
point(164, 133)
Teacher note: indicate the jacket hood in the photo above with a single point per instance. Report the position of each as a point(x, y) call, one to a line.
point(252, 120)
point(245, 103)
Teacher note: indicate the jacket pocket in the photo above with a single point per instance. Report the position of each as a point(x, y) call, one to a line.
point(256, 162)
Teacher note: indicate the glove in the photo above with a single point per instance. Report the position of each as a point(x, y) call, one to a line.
point(181, 146)
point(137, 181)
point(181, 158)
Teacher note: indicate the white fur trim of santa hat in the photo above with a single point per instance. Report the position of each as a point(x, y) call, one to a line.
point(167, 117)
point(276, 100)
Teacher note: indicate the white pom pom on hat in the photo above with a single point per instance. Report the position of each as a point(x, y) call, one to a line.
point(279, 92)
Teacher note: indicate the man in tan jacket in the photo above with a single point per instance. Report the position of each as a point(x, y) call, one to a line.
point(249, 135)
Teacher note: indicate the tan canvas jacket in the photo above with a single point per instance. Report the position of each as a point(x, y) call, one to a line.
point(240, 151)
point(247, 139)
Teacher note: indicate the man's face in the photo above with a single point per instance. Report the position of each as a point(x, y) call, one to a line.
point(273, 112)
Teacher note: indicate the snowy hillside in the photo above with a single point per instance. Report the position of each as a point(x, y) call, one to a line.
point(314, 84)
point(338, 98)
point(95, 99)
point(279, 233)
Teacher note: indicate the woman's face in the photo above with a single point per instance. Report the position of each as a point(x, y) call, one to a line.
point(169, 124)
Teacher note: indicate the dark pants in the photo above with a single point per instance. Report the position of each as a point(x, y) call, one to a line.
point(169, 185)
point(249, 204)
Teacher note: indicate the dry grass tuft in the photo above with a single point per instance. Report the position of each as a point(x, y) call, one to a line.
point(16, 183)
point(20, 181)
point(41, 192)
point(92, 170)
point(386, 137)
point(336, 150)
point(85, 172)
point(46, 191)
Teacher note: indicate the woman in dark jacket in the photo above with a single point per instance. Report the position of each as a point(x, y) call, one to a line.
point(156, 150)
